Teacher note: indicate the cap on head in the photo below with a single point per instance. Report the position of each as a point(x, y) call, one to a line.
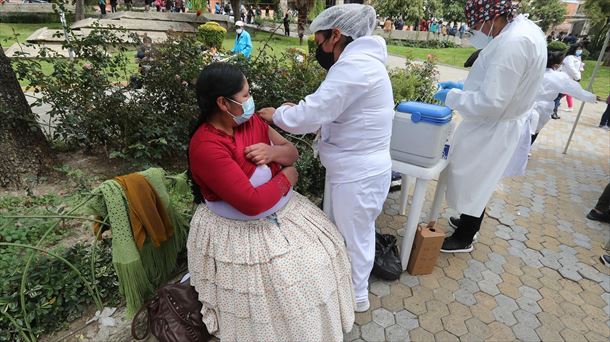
point(353, 20)
point(239, 23)
point(478, 11)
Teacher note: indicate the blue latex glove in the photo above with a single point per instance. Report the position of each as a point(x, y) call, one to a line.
point(442, 95)
point(451, 85)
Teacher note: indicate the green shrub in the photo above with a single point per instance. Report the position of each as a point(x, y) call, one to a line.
point(311, 44)
point(55, 295)
point(416, 82)
point(212, 34)
point(425, 44)
point(557, 46)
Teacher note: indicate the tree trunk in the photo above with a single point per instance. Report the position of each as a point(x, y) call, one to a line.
point(25, 151)
point(301, 22)
point(79, 11)
point(236, 6)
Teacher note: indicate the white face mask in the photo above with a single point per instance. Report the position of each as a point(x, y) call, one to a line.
point(479, 39)
point(239, 30)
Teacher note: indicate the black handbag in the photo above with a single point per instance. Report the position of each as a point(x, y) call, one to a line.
point(387, 263)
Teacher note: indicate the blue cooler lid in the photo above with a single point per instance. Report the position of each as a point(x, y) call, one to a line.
point(426, 112)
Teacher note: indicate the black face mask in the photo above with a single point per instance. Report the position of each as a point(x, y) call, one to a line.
point(326, 59)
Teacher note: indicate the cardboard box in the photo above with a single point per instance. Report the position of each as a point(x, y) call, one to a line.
point(426, 249)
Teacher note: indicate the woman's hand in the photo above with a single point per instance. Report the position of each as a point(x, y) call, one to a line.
point(292, 174)
point(260, 154)
point(267, 114)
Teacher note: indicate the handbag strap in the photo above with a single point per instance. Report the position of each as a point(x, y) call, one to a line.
point(135, 318)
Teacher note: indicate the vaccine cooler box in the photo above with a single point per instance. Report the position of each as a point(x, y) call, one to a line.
point(419, 133)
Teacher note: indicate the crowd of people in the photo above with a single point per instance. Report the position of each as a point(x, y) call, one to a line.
point(436, 26)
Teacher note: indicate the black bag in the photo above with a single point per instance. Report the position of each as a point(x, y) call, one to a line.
point(174, 315)
point(387, 264)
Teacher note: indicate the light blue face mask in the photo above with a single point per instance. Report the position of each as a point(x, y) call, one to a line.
point(578, 53)
point(248, 108)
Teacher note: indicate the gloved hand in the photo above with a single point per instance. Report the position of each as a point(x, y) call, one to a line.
point(451, 85)
point(442, 95)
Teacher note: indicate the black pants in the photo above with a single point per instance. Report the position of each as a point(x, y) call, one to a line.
point(534, 136)
point(103, 9)
point(606, 117)
point(603, 203)
point(287, 30)
point(468, 227)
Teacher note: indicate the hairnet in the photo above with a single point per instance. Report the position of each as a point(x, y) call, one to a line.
point(353, 20)
point(484, 10)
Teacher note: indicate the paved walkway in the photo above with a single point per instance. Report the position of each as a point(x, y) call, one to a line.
point(534, 275)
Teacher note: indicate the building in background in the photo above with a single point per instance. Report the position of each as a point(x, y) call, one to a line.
point(576, 21)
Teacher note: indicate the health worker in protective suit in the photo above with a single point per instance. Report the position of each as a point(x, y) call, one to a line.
point(352, 110)
point(494, 102)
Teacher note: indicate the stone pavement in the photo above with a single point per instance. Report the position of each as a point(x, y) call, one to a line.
point(535, 273)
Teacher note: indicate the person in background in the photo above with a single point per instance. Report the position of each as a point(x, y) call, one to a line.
point(352, 111)
point(217, 8)
point(387, 25)
point(227, 9)
point(444, 29)
point(573, 66)
point(494, 102)
point(462, 30)
point(268, 265)
point(601, 212)
point(433, 26)
point(605, 121)
point(243, 42)
point(399, 24)
point(554, 83)
point(102, 4)
point(286, 25)
point(267, 9)
point(179, 6)
point(250, 15)
point(113, 4)
point(128, 4)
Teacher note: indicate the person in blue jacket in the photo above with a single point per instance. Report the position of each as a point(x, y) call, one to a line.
point(243, 42)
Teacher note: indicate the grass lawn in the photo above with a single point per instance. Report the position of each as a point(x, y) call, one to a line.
point(277, 44)
point(23, 30)
point(457, 57)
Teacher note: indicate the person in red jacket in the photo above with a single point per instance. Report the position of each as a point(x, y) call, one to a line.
point(268, 265)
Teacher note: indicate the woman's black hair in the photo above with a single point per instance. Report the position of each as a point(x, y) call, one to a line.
point(554, 58)
point(573, 48)
point(327, 33)
point(216, 80)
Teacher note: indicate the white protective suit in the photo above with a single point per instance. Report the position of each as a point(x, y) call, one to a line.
point(497, 96)
point(353, 108)
point(573, 67)
point(553, 84)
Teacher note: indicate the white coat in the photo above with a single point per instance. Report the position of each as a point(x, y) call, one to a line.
point(555, 83)
point(573, 67)
point(354, 108)
point(497, 96)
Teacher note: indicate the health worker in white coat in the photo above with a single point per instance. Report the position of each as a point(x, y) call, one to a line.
point(494, 102)
point(353, 110)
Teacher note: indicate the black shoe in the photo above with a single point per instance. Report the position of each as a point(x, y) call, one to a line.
point(555, 116)
point(596, 216)
point(454, 222)
point(605, 259)
point(453, 245)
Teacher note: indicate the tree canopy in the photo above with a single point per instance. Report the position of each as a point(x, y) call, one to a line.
point(547, 13)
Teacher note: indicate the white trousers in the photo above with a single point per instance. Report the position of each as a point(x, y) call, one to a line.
point(354, 209)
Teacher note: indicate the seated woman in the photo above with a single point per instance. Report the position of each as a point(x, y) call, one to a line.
point(268, 264)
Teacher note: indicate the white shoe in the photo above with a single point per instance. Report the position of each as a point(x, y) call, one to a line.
point(363, 306)
point(569, 110)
